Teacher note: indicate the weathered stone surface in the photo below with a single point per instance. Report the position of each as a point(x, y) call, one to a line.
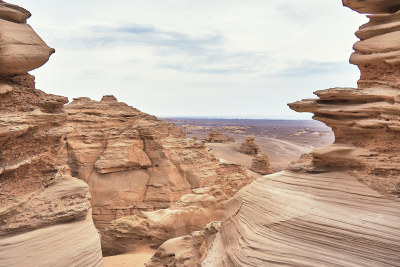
point(22, 50)
point(216, 136)
point(192, 212)
point(373, 6)
point(45, 216)
point(13, 13)
point(308, 219)
point(366, 120)
point(249, 146)
point(187, 250)
point(261, 165)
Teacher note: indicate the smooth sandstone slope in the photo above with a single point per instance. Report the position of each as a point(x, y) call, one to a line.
point(340, 206)
point(302, 219)
point(45, 213)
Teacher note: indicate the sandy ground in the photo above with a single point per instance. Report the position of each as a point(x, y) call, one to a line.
point(134, 259)
point(282, 141)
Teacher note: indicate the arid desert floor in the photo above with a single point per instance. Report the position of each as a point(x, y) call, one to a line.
point(283, 141)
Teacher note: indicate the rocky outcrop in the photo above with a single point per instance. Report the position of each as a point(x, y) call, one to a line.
point(249, 146)
point(45, 213)
point(22, 49)
point(187, 250)
point(216, 136)
point(365, 120)
point(132, 161)
point(261, 165)
point(192, 212)
point(327, 213)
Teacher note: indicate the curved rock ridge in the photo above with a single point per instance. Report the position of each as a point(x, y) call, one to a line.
point(22, 50)
point(366, 119)
point(294, 219)
point(373, 6)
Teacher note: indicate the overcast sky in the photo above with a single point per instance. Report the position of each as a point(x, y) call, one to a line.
point(196, 58)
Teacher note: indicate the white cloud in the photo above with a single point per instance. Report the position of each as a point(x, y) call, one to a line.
point(170, 57)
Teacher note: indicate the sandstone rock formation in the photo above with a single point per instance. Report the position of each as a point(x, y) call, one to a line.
point(216, 136)
point(365, 120)
point(22, 49)
point(187, 250)
point(295, 219)
point(192, 212)
point(261, 165)
point(249, 146)
point(45, 213)
point(318, 216)
point(135, 163)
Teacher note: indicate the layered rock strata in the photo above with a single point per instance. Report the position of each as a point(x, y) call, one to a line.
point(261, 165)
point(22, 49)
point(366, 119)
point(216, 136)
point(192, 212)
point(294, 219)
point(249, 146)
point(45, 213)
point(134, 162)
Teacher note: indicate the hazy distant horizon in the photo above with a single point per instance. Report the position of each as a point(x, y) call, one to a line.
point(170, 57)
point(241, 117)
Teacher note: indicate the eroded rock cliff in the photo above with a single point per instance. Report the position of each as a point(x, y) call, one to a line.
point(366, 119)
point(45, 213)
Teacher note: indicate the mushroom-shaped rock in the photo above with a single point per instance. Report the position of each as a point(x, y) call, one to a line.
point(373, 6)
point(22, 50)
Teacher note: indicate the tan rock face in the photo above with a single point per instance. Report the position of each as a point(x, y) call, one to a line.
point(45, 216)
point(261, 165)
point(303, 219)
point(373, 6)
point(22, 50)
point(249, 146)
point(187, 250)
point(216, 136)
point(192, 212)
point(365, 119)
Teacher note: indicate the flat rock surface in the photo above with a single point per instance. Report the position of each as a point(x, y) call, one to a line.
point(295, 219)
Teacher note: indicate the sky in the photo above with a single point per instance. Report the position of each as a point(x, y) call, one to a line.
point(196, 58)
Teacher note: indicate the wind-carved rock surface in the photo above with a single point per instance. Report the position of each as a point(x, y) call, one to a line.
point(261, 164)
point(216, 136)
point(22, 49)
point(45, 216)
point(366, 119)
point(192, 212)
point(249, 146)
point(317, 216)
point(136, 165)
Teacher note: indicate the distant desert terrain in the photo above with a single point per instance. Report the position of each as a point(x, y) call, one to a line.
point(284, 141)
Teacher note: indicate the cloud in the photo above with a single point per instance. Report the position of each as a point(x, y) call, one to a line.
point(105, 36)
